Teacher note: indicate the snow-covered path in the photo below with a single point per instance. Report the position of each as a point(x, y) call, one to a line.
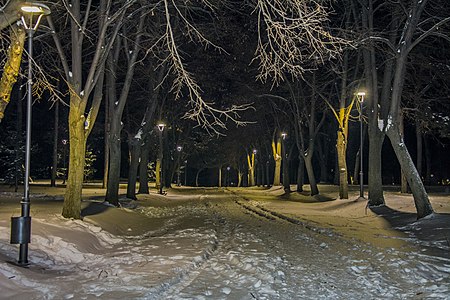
point(214, 246)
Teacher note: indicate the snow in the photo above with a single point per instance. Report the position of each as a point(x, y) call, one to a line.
point(234, 243)
point(138, 135)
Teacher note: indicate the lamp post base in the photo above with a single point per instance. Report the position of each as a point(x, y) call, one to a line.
point(361, 198)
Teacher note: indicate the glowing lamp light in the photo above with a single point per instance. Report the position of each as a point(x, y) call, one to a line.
point(161, 126)
point(35, 8)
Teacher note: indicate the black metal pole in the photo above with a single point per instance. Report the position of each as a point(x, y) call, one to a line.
point(185, 172)
point(361, 186)
point(160, 163)
point(25, 203)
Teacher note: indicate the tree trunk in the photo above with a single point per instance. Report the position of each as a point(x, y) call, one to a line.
point(12, 66)
point(311, 177)
point(55, 145)
point(323, 157)
point(355, 177)
point(77, 146)
point(158, 174)
point(300, 174)
point(220, 177)
point(277, 176)
point(375, 184)
point(404, 182)
point(267, 173)
point(106, 146)
point(421, 201)
point(197, 175)
point(143, 168)
point(133, 170)
point(341, 148)
point(112, 191)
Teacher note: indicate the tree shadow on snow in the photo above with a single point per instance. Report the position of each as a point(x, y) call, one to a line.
point(305, 197)
point(94, 208)
point(433, 231)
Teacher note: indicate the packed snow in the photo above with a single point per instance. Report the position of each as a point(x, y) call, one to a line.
point(226, 244)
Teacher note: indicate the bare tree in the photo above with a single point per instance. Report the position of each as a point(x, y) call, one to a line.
point(410, 25)
point(83, 113)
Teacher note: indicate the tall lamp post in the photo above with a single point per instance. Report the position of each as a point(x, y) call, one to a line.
point(286, 185)
point(64, 142)
point(361, 94)
point(185, 172)
point(161, 156)
point(179, 148)
point(255, 170)
point(32, 13)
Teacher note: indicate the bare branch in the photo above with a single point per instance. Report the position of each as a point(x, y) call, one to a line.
point(291, 34)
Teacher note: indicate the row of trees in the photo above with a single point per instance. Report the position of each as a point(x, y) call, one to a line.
point(308, 64)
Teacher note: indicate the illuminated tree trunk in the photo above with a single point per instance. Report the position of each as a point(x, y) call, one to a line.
point(12, 66)
point(240, 174)
point(77, 136)
point(81, 86)
point(251, 169)
point(220, 177)
point(341, 147)
point(158, 174)
point(276, 150)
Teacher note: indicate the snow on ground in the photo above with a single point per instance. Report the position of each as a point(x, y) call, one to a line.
point(228, 244)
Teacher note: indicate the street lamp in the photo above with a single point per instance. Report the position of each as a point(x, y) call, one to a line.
point(179, 148)
point(21, 226)
point(227, 181)
point(286, 185)
point(64, 142)
point(160, 130)
point(185, 172)
point(255, 170)
point(361, 94)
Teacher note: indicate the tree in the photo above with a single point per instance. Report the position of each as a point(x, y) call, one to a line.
point(12, 66)
point(117, 105)
point(10, 13)
point(82, 116)
point(410, 25)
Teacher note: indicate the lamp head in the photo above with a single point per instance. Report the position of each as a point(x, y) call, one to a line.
point(179, 148)
point(35, 8)
point(161, 126)
point(255, 151)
